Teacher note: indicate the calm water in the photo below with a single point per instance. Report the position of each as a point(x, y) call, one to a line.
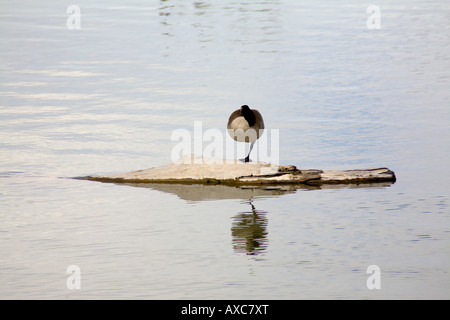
point(107, 97)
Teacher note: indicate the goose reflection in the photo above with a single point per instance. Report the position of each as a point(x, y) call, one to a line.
point(249, 228)
point(249, 231)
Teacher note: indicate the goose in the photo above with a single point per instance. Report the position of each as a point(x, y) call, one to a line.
point(246, 125)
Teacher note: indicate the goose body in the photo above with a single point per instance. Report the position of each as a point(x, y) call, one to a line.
point(246, 125)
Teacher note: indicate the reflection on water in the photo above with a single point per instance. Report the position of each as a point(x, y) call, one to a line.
point(249, 228)
point(249, 231)
point(202, 192)
point(256, 22)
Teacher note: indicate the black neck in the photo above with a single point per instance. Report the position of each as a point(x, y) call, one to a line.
point(249, 115)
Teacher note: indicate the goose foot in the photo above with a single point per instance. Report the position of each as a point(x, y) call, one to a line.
point(246, 159)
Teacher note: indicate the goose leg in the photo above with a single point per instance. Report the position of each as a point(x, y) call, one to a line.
point(247, 159)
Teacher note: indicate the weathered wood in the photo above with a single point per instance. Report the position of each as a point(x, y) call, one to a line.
point(211, 171)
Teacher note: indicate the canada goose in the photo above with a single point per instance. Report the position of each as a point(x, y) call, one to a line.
point(246, 125)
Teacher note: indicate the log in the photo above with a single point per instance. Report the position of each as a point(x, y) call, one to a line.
point(195, 170)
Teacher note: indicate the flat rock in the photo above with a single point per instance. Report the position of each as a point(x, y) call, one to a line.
point(191, 169)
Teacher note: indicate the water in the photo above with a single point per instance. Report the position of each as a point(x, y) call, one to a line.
point(107, 97)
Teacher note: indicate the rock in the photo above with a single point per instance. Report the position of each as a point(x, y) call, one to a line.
point(197, 170)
